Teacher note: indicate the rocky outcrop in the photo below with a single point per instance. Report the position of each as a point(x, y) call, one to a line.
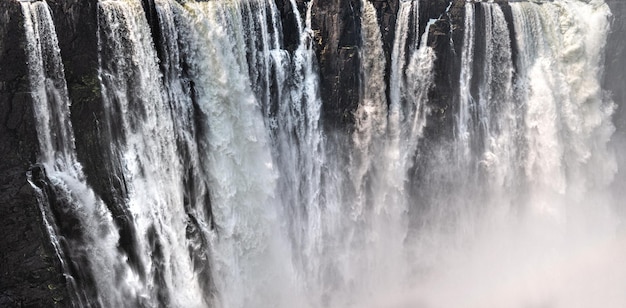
point(30, 273)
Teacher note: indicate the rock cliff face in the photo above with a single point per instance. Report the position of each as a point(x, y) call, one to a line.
point(336, 25)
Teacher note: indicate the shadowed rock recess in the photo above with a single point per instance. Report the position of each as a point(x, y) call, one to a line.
point(33, 272)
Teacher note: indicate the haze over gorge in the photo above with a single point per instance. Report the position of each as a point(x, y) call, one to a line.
point(322, 153)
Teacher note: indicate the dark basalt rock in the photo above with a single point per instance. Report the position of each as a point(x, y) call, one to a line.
point(291, 38)
point(337, 29)
point(446, 37)
point(30, 273)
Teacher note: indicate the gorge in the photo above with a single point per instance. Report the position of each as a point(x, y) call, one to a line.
point(274, 153)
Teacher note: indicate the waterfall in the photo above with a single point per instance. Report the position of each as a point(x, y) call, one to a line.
point(532, 189)
point(410, 80)
point(381, 153)
point(371, 114)
point(299, 146)
point(229, 191)
point(466, 103)
point(47, 81)
point(495, 119)
point(79, 224)
point(566, 108)
point(255, 125)
point(49, 93)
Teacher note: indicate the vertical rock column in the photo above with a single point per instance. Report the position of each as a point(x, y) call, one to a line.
point(337, 31)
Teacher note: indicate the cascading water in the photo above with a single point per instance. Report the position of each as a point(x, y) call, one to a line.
point(77, 220)
point(247, 245)
point(384, 144)
point(46, 95)
point(466, 104)
point(141, 127)
point(231, 194)
point(532, 198)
